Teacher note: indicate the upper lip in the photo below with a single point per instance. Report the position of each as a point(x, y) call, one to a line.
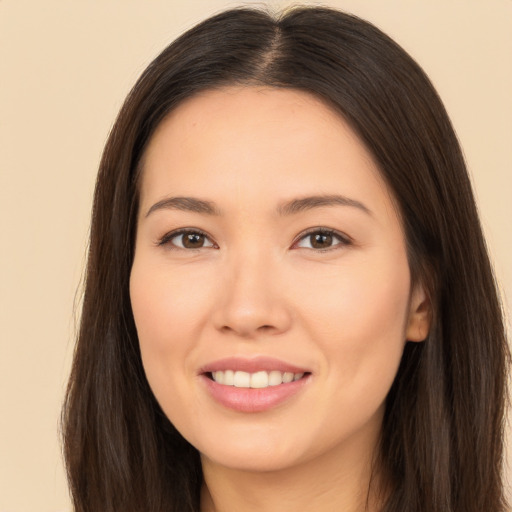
point(251, 365)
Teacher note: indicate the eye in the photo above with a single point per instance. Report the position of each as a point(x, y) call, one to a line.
point(322, 239)
point(186, 239)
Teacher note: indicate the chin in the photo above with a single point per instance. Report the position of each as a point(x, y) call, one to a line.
point(256, 452)
point(251, 460)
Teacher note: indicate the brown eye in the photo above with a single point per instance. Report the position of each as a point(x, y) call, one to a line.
point(322, 240)
point(192, 240)
point(187, 240)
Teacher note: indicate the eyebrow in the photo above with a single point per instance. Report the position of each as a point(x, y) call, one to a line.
point(192, 204)
point(187, 204)
point(308, 203)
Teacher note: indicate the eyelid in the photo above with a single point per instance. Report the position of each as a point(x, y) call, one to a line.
point(344, 239)
point(165, 239)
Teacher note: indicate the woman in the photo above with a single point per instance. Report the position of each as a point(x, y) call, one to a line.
point(288, 302)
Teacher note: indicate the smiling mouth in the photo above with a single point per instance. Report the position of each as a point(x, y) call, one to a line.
point(257, 380)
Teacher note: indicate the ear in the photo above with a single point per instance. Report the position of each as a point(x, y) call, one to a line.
point(418, 323)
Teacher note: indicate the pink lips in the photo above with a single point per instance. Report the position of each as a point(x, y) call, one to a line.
point(256, 364)
point(251, 400)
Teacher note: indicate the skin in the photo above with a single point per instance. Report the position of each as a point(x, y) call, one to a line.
point(259, 287)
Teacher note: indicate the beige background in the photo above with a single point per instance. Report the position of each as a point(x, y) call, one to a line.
point(65, 67)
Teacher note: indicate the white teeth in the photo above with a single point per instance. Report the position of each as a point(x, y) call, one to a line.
point(287, 377)
point(242, 380)
point(275, 378)
point(258, 380)
point(229, 378)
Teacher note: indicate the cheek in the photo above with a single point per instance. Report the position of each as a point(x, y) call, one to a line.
point(166, 312)
point(358, 316)
point(165, 304)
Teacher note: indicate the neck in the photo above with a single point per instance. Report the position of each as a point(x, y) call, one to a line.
point(331, 482)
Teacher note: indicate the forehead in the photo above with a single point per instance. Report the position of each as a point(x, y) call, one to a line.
point(249, 141)
point(244, 111)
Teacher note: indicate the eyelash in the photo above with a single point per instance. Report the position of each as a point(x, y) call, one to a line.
point(166, 239)
point(343, 240)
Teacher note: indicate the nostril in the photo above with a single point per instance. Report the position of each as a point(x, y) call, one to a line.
point(246, 330)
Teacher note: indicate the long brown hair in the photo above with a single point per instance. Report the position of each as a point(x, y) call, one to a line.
point(442, 436)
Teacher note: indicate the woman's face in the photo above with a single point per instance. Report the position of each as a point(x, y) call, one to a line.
point(268, 249)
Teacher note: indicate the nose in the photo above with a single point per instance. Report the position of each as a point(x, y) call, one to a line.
point(251, 299)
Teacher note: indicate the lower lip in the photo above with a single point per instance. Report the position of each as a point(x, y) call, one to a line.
point(253, 399)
